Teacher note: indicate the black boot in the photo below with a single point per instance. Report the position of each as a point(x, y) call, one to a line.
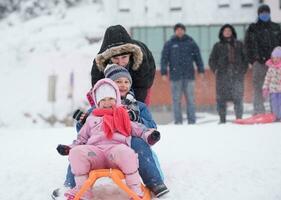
point(159, 190)
point(222, 119)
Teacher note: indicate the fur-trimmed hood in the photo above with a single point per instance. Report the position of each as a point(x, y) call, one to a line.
point(137, 55)
point(117, 41)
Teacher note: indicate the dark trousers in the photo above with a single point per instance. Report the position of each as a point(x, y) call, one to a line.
point(238, 109)
point(229, 87)
point(259, 72)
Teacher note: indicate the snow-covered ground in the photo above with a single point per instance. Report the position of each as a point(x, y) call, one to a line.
point(200, 162)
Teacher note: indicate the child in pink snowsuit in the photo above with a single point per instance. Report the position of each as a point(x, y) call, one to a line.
point(272, 82)
point(104, 140)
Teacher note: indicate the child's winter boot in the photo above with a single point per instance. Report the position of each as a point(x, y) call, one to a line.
point(70, 194)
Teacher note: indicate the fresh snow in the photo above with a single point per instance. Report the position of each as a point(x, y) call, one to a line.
point(200, 162)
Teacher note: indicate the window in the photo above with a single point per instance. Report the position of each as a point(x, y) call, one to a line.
point(246, 3)
point(124, 5)
point(97, 1)
point(175, 5)
point(223, 3)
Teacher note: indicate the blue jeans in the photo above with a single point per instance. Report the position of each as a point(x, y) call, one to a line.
point(149, 169)
point(185, 87)
point(149, 172)
point(69, 179)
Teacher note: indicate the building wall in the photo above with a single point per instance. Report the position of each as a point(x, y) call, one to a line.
point(204, 35)
point(205, 92)
point(168, 12)
point(275, 7)
point(202, 12)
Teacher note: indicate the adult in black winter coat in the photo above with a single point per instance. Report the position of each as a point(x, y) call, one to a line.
point(261, 38)
point(228, 62)
point(119, 48)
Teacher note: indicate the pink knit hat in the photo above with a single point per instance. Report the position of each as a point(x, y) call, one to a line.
point(276, 53)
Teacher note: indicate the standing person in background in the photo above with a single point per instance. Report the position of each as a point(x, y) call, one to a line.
point(261, 38)
point(178, 54)
point(118, 48)
point(229, 64)
point(272, 82)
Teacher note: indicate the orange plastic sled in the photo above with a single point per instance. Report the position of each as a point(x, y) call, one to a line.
point(117, 176)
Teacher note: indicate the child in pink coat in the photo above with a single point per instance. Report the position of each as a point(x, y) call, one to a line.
point(104, 140)
point(272, 82)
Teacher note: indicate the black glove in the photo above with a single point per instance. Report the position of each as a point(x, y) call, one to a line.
point(80, 116)
point(134, 115)
point(83, 118)
point(63, 149)
point(153, 137)
point(130, 98)
point(132, 107)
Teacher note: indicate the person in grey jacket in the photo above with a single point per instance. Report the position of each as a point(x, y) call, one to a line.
point(179, 54)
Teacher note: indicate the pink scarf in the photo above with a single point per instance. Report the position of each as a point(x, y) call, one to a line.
point(269, 63)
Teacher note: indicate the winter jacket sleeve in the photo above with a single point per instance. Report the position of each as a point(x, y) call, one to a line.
point(251, 44)
point(80, 125)
point(279, 37)
point(83, 135)
point(146, 117)
point(268, 77)
point(243, 57)
point(96, 74)
point(143, 77)
point(165, 58)
point(213, 59)
point(139, 130)
point(197, 57)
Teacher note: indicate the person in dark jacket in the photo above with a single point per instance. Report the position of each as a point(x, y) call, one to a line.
point(179, 54)
point(119, 48)
point(261, 38)
point(229, 64)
